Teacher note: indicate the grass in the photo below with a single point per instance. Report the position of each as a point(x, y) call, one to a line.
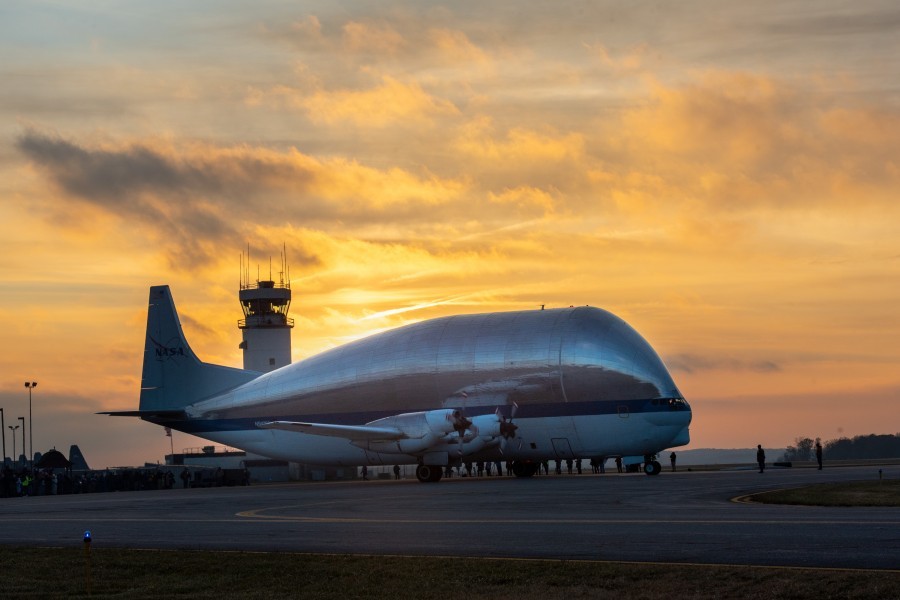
point(855, 493)
point(121, 573)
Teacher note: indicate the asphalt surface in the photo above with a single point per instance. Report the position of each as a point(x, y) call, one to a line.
point(683, 517)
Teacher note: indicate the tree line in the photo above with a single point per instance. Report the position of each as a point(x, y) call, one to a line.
point(861, 446)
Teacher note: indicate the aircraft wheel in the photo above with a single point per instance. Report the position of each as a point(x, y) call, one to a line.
point(652, 467)
point(521, 469)
point(429, 473)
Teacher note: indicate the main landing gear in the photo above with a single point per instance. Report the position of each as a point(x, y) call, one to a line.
point(429, 473)
point(651, 467)
point(524, 469)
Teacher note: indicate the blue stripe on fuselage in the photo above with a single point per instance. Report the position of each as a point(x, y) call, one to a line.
point(531, 411)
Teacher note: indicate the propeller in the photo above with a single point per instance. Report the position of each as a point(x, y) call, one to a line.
point(460, 421)
point(460, 424)
point(507, 427)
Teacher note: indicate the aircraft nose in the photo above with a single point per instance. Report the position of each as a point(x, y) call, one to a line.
point(682, 417)
point(683, 438)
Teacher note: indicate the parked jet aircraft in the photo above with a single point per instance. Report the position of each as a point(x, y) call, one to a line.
point(515, 386)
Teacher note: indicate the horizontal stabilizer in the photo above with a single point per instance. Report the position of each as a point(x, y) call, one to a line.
point(169, 415)
point(350, 432)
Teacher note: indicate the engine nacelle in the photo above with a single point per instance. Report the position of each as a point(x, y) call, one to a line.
point(455, 449)
point(484, 431)
point(422, 431)
point(485, 426)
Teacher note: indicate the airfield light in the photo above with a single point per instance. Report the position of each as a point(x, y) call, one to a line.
point(23, 437)
point(30, 385)
point(87, 561)
point(13, 429)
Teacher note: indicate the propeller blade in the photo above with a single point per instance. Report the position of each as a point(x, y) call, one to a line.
point(507, 427)
point(508, 430)
point(460, 422)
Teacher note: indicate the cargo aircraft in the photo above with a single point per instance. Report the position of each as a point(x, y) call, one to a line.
point(521, 387)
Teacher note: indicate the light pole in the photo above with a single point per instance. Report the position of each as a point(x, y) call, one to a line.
point(30, 385)
point(13, 429)
point(3, 431)
point(23, 438)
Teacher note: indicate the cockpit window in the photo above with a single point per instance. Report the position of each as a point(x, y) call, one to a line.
point(672, 403)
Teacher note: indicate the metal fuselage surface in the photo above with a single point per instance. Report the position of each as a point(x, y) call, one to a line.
point(584, 384)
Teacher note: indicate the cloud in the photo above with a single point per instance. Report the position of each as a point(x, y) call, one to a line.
point(722, 117)
point(421, 39)
point(740, 142)
point(525, 199)
point(454, 47)
point(194, 197)
point(862, 19)
point(518, 144)
point(629, 61)
point(388, 103)
point(372, 38)
point(690, 363)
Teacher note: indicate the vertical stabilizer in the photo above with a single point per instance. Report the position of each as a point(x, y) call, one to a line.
point(77, 459)
point(173, 377)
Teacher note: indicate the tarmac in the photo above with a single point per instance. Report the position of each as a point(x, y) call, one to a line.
point(683, 517)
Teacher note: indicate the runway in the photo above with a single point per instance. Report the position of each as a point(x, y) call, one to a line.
point(684, 517)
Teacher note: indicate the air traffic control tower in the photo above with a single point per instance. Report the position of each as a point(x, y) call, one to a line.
point(266, 326)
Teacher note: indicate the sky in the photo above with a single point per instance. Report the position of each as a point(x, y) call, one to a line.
point(723, 176)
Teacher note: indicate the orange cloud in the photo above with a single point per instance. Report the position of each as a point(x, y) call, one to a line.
point(389, 103)
point(731, 117)
point(629, 61)
point(380, 39)
point(525, 199)
point(455, 47)
point(519, 144)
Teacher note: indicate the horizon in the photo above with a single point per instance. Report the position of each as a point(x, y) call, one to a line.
point(722, 177)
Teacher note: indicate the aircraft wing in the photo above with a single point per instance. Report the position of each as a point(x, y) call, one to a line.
point(174, 415)
point(351, 432)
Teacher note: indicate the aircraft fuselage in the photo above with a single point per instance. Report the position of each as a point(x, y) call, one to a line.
point(583, 383)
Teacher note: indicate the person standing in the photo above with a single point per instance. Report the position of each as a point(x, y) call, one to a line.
point(761, 457)
point(396, 471)
point(672, 460)
point(819, 453)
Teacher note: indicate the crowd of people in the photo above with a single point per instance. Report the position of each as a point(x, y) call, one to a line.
point(50, 482)
point(500, 468)
point(569, 466)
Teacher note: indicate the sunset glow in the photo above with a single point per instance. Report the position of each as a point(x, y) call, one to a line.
point(722, 176)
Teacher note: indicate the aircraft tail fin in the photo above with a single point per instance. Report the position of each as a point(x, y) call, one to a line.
point(77, 459)
point(173, 377)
